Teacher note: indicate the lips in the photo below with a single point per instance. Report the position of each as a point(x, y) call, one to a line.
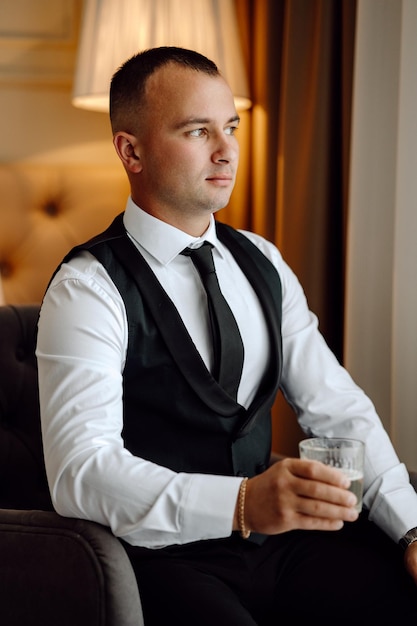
point(220, 179)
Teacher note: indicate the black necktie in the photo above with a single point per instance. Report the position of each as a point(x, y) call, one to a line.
point(227, 342)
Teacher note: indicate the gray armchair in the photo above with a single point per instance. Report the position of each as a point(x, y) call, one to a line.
point(53, 570)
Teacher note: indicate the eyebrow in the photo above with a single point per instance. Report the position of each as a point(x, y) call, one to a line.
point(202, 120)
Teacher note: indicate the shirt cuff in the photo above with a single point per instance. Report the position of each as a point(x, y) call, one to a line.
point(392, 503)
point(208, 507)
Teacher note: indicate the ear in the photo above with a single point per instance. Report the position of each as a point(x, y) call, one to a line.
point(127, 150)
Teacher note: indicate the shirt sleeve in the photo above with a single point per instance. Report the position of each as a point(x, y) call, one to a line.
point(82, 341)
point(329, 403)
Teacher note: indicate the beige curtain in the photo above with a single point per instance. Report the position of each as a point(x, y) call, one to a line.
point(293, 179)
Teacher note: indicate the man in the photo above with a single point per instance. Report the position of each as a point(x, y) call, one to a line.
point(139, 433)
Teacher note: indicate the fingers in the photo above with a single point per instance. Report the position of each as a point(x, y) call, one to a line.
point(299, 494)
point(318, 491)
point(322, 492)
point(314, 470)
point(328, 507)
point(318, 523)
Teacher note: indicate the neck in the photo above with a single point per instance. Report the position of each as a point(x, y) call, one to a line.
point(194, 225)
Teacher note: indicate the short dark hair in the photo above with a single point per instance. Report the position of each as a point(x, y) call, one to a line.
point(128, 83)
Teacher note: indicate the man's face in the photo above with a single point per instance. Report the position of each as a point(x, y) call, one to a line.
point(186, 145)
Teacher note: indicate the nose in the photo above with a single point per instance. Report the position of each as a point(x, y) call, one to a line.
point(226, 149)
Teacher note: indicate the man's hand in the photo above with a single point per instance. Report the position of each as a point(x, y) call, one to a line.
point(299, 494)
point(410, 560)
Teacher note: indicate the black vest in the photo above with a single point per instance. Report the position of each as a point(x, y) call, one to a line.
point(175, 413)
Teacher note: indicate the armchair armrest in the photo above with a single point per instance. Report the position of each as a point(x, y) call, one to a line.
point(56, 570)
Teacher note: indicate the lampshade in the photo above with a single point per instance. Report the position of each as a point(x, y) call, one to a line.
point(114, 30)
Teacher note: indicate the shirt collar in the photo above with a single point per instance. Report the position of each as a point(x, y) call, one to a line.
point(163, 241)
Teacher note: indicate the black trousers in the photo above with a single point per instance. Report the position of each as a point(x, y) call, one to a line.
point(354, 576)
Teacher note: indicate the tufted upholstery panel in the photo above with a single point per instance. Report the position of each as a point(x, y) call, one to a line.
point(44, 211)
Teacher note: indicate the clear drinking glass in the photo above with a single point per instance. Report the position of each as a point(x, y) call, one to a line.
point(345, 454)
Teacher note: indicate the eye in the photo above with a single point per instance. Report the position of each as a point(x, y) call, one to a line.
point(197, 132)
point(231, 130)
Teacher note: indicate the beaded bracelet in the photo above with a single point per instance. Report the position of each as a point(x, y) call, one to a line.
point(244, 532)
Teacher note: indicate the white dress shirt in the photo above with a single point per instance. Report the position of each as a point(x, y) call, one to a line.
point(81, 352)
